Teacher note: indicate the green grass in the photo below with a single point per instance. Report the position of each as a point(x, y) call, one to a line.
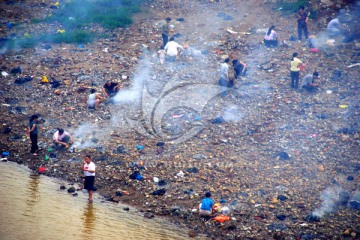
point(78, 36)
point(289, 6)
point(77, 17)
point(109, 14)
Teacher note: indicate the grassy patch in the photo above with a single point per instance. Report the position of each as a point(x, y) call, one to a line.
point(78, 36)
point(107, 13)
point(291, 6)
point(26, 42)
point(77, 17)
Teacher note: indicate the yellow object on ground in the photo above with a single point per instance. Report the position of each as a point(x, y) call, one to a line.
point(44, 79)
point(60, 31)
point(343, 106)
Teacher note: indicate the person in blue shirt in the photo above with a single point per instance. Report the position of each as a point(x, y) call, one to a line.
point(205, 208)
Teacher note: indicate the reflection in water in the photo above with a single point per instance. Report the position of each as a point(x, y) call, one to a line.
point(89, 219)
point(33, 191)
point(35, 208)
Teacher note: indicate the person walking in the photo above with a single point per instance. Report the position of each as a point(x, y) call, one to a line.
point(302, 19)
point(33, 133)
point(89, 172)
point(165, 31)
point(296, 64)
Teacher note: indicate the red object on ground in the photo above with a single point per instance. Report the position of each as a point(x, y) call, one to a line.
point(314, 50)
point(41, 169)
point(221, 218)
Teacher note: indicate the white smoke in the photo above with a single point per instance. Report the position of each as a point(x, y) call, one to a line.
point(330, 199)
point(232, 113)
point(83, 135)
point(129, 96)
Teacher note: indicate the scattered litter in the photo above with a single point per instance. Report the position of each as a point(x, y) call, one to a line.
point(20, 81)
point(159, 192)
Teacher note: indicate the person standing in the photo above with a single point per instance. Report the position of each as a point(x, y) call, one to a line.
point(302, 19)
point(33, 132)
point(296, 64)
point(89, 172)
point(165, 31)
point(224, 76)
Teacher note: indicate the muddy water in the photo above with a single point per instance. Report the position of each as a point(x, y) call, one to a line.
point(33, 207)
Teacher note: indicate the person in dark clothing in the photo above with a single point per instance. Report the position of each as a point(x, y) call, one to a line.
point(239, 68)
point(165, 31)
point(302, 19)
point(33, 132)
point(110, 88)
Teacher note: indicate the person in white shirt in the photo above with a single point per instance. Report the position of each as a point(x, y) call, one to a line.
point(62, 139)
point(94, 99)
point(89, 172)
point(224, 76)
point(172, 49)
point(334, 28)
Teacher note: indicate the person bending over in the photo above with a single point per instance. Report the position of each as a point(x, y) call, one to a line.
point(110, 88)
point(239, 68)
point(206, 205)
point(308, 82)
point(270, 39)
point(94, 99)
point(62, 139)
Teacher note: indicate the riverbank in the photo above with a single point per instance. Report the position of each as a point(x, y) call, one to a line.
point(238, 158)
point(30, 201)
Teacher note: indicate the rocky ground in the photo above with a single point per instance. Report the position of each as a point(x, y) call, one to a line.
point(274, 156)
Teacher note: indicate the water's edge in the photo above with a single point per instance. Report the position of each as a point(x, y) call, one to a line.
point(168, 229)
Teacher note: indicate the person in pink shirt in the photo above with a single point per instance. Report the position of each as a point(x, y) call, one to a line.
point(270, 38)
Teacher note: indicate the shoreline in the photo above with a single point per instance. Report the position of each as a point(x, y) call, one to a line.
point(238, 160)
